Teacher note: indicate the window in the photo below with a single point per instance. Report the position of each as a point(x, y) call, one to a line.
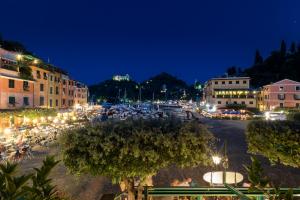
point(281, 96)
point(244, 82)
point(234, 102)
point(243, 102)
point(12, 100)
point(38, 74)
point(230, 82)
point(51, 90)
point(25, 85)
point(64, 90)
point(56, 90)
point(45, 76)
point(297, 88)
point(56, 102)
point(219, 102)
point(41, 87)
point(297, 105)
point(216, 82)
point(281, 105)
point(226, 102)
point(50, 102)
point(297, 96)
point(42, 101)
point(25, 101)
point(251, 102)
point(55, 79)
point(223, 82)
point(51, 78)
point(281, 88)
point(63, 102)
point(11, 83)
point(237, 82)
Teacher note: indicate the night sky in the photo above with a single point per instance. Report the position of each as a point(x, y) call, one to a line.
point(191, 39)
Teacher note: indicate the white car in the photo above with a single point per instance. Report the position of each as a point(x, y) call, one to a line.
point(281, 116)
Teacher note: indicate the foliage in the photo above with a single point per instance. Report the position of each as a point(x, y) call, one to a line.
point(41, 185)
point(29, 113)
point(294, 116)
point(130, 149)
point(276, 140)
point(279, 65)
point(114, 91)
point(261, 183)
point(31, 186)
point(13, 46)
point(174, 87)
point(11, 186)
point(236, 106)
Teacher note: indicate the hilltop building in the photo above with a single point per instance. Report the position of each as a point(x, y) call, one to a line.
point(121, 78)
point(46, 87)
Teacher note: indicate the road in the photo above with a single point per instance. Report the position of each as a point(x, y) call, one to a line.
point(87, 187)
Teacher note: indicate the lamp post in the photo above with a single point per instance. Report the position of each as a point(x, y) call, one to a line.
point(217, 160)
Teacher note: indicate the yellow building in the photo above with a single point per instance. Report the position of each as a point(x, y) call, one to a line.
point(41, 86)
point(222, 92)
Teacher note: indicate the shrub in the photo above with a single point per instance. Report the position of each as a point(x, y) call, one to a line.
point(294, 116)
point(276, 140)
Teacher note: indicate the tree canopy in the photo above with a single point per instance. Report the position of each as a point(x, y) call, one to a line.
point(130, 149)
point(279, 65)
point(276, 140)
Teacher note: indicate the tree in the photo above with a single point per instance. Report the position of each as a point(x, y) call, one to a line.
point(283, 48)
point(131, 150)
point(258, 58)
point(231, 71)
point(293, 48)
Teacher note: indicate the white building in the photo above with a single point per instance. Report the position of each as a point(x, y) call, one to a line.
point(226, 91)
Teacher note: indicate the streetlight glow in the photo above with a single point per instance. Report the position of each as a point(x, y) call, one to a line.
point(216, 159)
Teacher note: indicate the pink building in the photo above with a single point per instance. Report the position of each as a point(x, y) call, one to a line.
point(282, 94)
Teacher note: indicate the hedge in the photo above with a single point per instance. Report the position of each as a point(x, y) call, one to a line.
point(29, 113)
point(277, 140)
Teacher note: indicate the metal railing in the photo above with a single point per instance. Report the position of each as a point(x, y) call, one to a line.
point(200, 193)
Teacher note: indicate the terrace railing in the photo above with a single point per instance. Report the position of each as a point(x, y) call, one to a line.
point(202, 193)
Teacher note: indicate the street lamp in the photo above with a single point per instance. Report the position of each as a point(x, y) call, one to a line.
point(216, 159)
point(19, 57)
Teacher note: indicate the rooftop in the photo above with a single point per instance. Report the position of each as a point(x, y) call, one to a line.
point(230, 78)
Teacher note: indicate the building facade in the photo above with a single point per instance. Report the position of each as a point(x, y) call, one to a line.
point(222, 92)
point(282, 94)
point(80, 94)
point(14, 91)
point(48, 87)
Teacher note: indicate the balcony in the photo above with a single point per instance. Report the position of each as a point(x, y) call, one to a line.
point(10, 67)
point(26, 88)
